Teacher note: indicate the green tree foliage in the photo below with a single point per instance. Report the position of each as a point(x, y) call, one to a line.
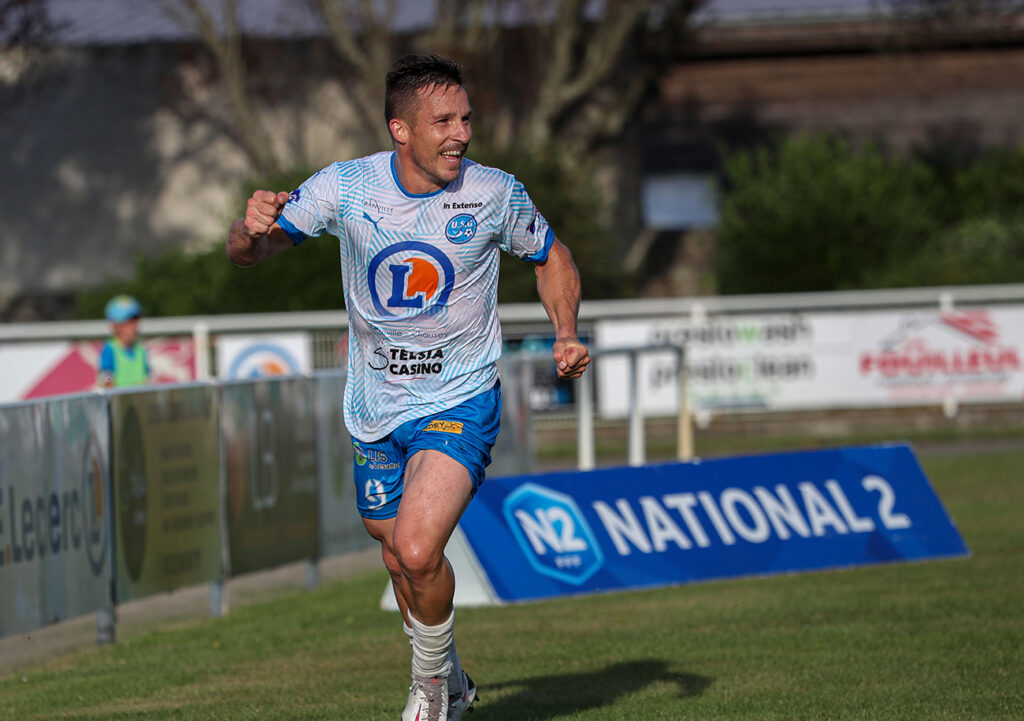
point(568, 199)
point(992, 185)
point(175, 282)
point(976, 252)
point(815, 213)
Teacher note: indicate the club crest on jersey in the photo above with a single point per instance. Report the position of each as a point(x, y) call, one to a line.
point(408, 278)
point(461, 228)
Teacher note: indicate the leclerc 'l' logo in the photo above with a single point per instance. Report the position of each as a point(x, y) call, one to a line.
point(410, 276)
point(552, 533)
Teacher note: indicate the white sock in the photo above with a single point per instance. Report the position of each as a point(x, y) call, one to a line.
point(455, 676)
point(430, 646)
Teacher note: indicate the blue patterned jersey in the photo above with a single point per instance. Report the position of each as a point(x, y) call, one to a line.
point(420, 276)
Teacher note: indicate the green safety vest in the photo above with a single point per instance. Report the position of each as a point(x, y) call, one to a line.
point(129, 367)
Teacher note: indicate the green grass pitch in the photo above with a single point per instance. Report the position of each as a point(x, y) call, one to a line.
point(930, 640)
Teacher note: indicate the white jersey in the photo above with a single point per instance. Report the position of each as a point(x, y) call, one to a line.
point(420, 275)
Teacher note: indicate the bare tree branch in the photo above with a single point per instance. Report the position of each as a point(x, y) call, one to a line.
point(363, 39)
point(25, 22)
point(225, 44)
point(582, 70)
point(586, 57)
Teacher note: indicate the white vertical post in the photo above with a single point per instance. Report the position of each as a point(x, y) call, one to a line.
point(636, 418)
point(218, 598)
point(585, 458)
point(311, 575)
point(684, 429)
point(106, 626)
point(201, 341)
point(950, 406)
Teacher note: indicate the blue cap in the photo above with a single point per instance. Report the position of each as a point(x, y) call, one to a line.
point(122, 308)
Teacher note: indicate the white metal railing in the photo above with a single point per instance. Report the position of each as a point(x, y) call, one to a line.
point(521, 318)
point(532, 314)
point(637, 444)
point(585, 406)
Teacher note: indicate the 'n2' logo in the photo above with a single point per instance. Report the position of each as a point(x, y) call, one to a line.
point(552, 533)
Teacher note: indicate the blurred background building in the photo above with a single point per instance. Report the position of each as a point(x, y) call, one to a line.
point(128, 127)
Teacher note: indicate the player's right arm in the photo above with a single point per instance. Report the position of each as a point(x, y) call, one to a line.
point(257, 237)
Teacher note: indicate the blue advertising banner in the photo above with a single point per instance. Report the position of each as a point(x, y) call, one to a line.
point(588, 531)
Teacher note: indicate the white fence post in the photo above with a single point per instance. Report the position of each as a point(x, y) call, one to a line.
point(201, 341)
point(684, 428)
point(636, 416)
point(585, 457)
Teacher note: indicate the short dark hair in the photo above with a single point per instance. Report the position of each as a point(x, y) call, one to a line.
point(412, 73)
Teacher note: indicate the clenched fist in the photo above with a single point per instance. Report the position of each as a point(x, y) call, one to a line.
point(262, 210)
point(255, 238)
point(571, 357)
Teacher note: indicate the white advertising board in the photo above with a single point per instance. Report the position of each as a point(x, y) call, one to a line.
point(48, 368)
point(258, 356)
point(816, 360)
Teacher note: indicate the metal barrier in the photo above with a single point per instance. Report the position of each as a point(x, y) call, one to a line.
point(522, 365)
point(585, 453)
point(116, 496)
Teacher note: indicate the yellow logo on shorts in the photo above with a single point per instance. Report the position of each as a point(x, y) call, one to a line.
point(444, 426)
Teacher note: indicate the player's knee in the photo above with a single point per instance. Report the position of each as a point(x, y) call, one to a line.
point(418, 562)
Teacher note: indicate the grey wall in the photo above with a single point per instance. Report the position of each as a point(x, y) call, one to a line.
point(103, 157)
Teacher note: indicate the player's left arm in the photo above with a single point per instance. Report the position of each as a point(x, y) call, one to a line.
point(558, 285)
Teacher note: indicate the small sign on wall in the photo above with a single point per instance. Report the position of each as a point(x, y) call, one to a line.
point(248, 356)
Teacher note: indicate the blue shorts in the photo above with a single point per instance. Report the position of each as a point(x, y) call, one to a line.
point(466, 433)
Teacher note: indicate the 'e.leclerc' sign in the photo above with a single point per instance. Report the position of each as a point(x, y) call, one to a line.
point(581, 532)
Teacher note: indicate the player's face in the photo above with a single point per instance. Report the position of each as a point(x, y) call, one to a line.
point(439, 135)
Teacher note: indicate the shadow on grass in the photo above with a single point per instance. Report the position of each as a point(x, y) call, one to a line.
point(549, 697)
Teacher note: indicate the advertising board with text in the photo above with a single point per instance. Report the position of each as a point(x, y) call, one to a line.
point(587, 531)
point(820, 360)
point(54, 511)
point(269, 432)
point(166, 480)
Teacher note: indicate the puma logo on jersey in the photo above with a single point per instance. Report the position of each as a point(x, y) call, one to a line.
point(375, 226)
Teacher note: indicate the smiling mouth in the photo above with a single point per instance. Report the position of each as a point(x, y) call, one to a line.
point(453, 155)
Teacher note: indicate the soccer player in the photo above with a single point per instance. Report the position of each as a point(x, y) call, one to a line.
point(123, 360)
point(420, 230)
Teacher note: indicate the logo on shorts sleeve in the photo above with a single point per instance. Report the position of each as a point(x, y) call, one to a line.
point(360, 456)
point(445, 426)
point(376, 496)
point(553, 533)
